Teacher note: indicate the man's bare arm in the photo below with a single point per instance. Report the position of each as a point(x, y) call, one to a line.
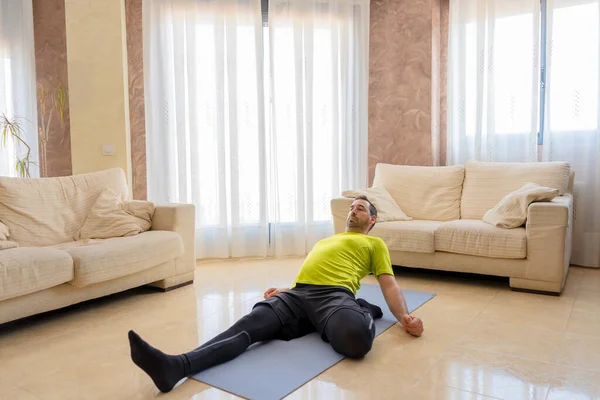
point(393, 296)
point(395, 301)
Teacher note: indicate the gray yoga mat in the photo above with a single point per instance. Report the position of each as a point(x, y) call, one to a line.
point(274, 369)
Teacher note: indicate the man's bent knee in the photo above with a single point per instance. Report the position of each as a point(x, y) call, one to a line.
point(349, 333)
point(352, 346)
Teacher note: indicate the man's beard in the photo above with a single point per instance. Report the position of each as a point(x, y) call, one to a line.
point(355, 223)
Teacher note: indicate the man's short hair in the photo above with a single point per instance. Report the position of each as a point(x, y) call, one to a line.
point(372, 208)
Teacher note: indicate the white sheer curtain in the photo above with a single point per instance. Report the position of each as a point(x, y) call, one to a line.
point(205, 118)
point(260, 158)
point(318, 137)
point(572, 115)
point(493, 80)
point(17, 81)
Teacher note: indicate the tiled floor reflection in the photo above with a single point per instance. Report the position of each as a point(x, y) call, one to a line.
point(481, 340)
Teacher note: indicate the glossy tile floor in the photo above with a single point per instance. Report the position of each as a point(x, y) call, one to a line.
point(481, 340)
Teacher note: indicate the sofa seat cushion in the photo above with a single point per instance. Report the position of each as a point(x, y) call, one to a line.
point(477, 238)
point(105, 259)
point(27, 270)
point(415, 236)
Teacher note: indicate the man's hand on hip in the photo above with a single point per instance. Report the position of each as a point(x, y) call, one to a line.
point(273, 291)
point(412, 325)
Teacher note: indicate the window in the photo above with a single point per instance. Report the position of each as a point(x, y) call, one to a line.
point(509, 87)
point(7, 150)
point(17, 83)
point(323, 133)
point(258, 120)
point(573, 98)
point(573, 95)
point(513, 46)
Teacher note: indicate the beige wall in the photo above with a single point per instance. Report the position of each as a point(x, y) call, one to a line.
point(97, 66)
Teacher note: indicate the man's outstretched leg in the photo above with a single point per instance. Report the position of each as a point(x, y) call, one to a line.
point(166, 370)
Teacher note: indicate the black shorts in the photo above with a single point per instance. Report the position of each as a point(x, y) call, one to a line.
point(307, 308)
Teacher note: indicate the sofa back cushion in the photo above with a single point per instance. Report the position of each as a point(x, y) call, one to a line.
point(48, 211)
point(486, 183)
point(429, 193)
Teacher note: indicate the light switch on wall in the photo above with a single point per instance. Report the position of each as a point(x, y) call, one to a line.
point(108, 150)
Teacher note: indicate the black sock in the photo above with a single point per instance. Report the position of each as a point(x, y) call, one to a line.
point(165, 370)
point(372, 308)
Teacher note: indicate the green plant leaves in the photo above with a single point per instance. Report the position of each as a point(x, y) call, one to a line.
point(12, 128)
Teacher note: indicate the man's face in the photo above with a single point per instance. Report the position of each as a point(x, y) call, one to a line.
point(359, 215)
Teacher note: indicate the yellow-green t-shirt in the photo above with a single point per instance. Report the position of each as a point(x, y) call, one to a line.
point(344, 259)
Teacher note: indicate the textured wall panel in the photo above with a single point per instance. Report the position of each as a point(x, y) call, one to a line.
point(400, 83)
point(439, 22)
point(444, 23)
point(51, 69)
point(436, 15)
point(135, 65)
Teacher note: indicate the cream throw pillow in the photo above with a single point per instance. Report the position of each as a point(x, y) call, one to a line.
point(4, 242)
point(429, 193)
point(7, 244)
point(511, 211)
point(387, 209)
point(3, 232)
point(111, 217)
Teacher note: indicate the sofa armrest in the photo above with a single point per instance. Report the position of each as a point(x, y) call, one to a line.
point(553, 213)
point(548, 230)
point(179, 218)
point(339, 209)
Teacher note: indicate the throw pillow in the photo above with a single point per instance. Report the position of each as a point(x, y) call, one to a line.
point(387, 208)
point(511, 211)
point(3, 232)
point(8, 244)
point(4, 242)
point(110, 217)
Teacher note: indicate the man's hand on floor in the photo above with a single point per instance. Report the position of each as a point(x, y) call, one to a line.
point(412, 325)
point(273, 291)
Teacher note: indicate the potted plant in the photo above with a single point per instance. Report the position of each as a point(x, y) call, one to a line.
point(10, 129)
point(59, 101)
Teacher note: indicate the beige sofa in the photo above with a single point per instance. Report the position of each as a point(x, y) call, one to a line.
point(50, 270)
point(447, 232)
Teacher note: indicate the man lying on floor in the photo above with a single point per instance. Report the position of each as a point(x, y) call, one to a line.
point(322, 300)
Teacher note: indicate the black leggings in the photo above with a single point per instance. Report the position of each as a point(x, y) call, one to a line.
point(349, 331)
point(260, 325)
